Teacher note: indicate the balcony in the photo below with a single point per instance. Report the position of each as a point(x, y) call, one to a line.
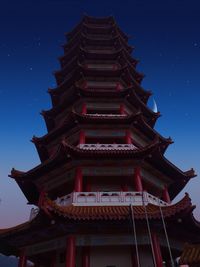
point(107, 146)
point(107, 115)
point(100, 36)
point(102, 66)
point(105, 199)
point(109, 199)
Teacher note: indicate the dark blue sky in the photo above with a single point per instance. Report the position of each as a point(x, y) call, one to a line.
point(166, 36)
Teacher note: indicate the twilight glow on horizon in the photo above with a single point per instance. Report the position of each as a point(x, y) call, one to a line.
point(166, 37)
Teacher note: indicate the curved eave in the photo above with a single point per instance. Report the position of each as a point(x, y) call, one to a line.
point(91, 54)
point(71, 121)
point(135, 119)
point(90, 20)
point(28, 188)
point(98, 20)
point(87, 118)
point(14, 229)
point(76, 91)
point(97, 27)
point(112, 40)
point(66, 152)
point(81, 71)
point(109, 29)
point(72, 95)
point(76, 65)
point(119, 54)
point(21, 235)
point(180, 209)
point(134, 77)
point(178, 185)
point(124, 43)
point(140, 153)
point(74, 31)
point(73, 118)
point(89, 72)
point(101, 54)
point(179, 177)
point(60, 75)
point(143, 126)
point(83, 40)
point(147, 112)
point(41, 142)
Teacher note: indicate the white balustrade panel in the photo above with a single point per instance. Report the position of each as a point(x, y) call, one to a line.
point(105, 199)
point(107, 146)
point(109, 199)
point(107, 115)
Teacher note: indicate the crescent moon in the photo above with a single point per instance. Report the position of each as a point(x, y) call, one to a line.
point(155, 108)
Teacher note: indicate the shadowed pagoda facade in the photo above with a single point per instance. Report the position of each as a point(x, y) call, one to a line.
point(103, 190)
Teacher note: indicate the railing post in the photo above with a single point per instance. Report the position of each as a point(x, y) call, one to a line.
point(98, 197)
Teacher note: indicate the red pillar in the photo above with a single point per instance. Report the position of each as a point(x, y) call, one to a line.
point(121, 109)
point(157, 250)
point(165, 195)
point(86, 257)
point(84, 109)
point(53, 260)
point(138, 180)
point(70, 252)
point(128, 137)
point(78, 186)
point(124, 188)
point(134, 257)
point(22, 259)
point(82, 137)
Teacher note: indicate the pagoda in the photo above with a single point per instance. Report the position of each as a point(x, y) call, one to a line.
point(103, 190)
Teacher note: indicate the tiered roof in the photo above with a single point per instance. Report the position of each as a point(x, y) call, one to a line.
point(98, 41)
point(119, 212)
point(178, 217)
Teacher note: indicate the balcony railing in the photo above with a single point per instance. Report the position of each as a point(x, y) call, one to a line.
point(107, 115)
point(107, 146)
point(102, 66)
point(105, 199)
point(109, 199)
